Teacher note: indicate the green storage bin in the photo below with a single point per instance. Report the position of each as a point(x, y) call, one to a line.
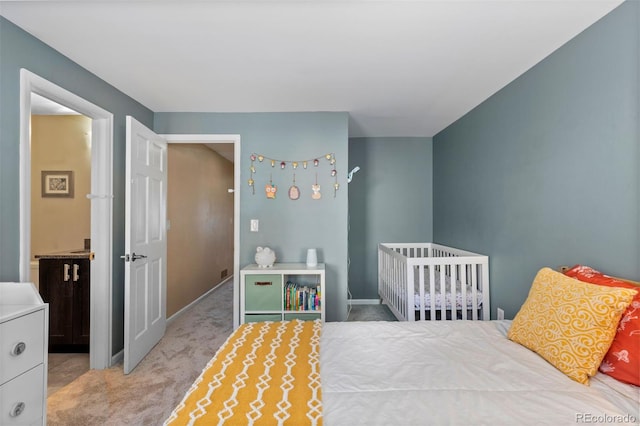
point(263, 292)
point(261, 317)
point(304, 316)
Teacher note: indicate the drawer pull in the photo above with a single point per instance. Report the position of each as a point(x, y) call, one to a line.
point(18, 349)
point(76, 269)
point(65, 273)
point(17, 409)
point(264, 283)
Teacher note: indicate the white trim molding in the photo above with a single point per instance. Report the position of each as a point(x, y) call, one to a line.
point(100, 345)
point(365, 301)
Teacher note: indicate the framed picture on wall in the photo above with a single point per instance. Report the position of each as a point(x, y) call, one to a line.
point(57, 184)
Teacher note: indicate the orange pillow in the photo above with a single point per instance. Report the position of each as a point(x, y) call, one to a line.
point(622, 361)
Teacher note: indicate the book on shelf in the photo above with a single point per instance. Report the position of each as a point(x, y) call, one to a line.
point(302, 297)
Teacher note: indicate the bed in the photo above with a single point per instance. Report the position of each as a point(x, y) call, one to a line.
point(409, 373)
point(416, 281)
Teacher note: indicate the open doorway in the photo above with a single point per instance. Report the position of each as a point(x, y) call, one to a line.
point(227, 192)
point(200, 221)
point(100, 197)
point(60, 233)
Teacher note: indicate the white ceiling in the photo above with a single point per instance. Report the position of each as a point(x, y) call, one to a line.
point(400, 68)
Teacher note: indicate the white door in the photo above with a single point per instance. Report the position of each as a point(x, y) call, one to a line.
point(145, 243)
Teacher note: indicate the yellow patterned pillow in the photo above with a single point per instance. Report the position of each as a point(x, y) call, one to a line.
point(569, 323)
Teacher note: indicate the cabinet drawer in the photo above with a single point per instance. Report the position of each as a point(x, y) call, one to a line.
point(263, 292)
point(302, 316)
point(21, 345)
point(262, 317)
point(26, 389)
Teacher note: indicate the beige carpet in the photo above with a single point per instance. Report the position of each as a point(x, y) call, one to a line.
point(148, 395)
point(64, 368)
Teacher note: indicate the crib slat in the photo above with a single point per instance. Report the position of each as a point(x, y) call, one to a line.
point(421, 283)
point(432, 293)
point(463, 287)
point(406, 277)
point(441, 296)
point(452, 284)
point(474, 281)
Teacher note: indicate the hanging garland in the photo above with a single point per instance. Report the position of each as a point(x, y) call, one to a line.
point(294, 191)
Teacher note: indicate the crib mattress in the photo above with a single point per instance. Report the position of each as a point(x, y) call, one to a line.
point(462, 302)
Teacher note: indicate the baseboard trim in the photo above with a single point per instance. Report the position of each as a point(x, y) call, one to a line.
point(364, 301)
point(117, 358)
point(195, 302)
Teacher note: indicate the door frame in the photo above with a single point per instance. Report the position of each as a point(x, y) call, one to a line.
point(223, 138)
point(100, 345)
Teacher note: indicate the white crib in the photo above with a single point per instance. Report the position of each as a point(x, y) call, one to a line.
point(411, 277)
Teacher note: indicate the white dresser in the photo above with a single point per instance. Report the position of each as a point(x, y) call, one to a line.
point(24, 320)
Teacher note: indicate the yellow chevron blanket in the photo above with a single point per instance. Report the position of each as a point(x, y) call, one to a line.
point(266, 373)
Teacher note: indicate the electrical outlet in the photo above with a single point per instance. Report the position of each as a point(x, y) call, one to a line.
point(255, 225)
point(500, 314)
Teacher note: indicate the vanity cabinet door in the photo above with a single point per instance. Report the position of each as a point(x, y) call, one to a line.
point(65, 285)
point(81, 299)
point(56, 289)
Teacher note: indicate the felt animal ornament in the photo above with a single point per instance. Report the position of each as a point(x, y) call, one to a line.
point(271, 189)
point(316, 191)
point(294, 191)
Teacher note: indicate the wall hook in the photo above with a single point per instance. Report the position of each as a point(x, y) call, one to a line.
point(351, 173)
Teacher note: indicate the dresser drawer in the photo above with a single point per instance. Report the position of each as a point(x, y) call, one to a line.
point(303, 316)
point(263, 292)
point(262, 317)
point(22, 399)
point(22, 345)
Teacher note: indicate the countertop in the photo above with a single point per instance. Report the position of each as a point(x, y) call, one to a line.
point(67, 254)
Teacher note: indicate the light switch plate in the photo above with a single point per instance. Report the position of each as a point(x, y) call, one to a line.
point(254, 225)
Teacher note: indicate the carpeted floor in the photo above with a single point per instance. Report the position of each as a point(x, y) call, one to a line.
point(378, 312)
point(64, 368)
point(148, 395)
point(158, 383)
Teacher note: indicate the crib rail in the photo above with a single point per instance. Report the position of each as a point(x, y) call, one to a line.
point(457, 280)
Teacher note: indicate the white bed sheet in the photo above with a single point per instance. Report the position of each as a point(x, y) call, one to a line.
point(455, 373)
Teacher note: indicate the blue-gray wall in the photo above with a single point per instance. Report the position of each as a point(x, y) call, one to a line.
point(288, 226)
point(19, 49)
point(545, 172)
point(390, 200)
